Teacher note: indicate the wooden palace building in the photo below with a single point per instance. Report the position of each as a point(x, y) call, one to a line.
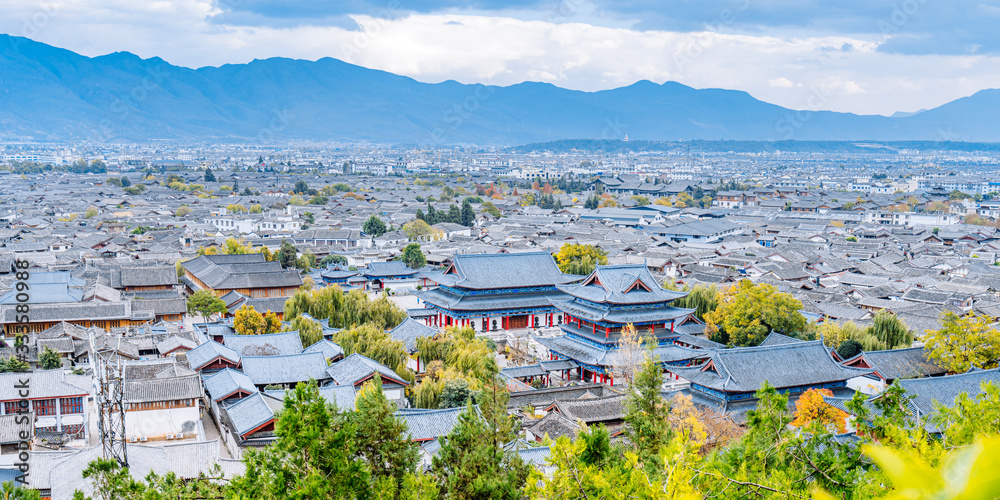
point(598, 308)
point(496, 291)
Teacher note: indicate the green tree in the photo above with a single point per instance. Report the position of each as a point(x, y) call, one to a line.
point(468, 214)
point(969, 417)
point(374, 227)
point(11, 491)
point(374, 342)
point(747, 313)
point(646, 416)
point(890, 330)
point(14, 364)
point(964, 342)
point(313, 445)
point(455, 394)
point(383, 440)
point(469, 465)
point(209, 175)
point(49, 359)
point(490, 208)
point(703, 299)
point(413, 256)
point(418, 230)
point(310, 331)
point(287, 255)
point(205, 303)
point(301, 187)
point(575, 258)
point(332, 259)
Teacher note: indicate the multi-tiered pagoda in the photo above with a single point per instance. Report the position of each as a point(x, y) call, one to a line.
point(597, 309)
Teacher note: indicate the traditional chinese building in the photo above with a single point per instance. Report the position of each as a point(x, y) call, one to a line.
point(729, 378)
point(251, 275)
point(595, 311)
point(496, 291)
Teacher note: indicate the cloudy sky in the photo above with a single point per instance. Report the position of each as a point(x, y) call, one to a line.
point(862, 56)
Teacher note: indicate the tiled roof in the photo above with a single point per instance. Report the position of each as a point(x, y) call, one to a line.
point(208, 352)
point(357, 368)
point(289, 369)
point(329, 349)
point(252, 412)
point(590, 410)
point(45, 384)
point(409, 331)
point(225, 272)
point(510, 270)
point(429, 424)
point(745, 369)
point(270, 344)
point(902, 363)
point(163, 389)
point(224, 383)
point(621, 284)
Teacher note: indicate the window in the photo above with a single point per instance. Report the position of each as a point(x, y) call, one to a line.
point(73, 429)
point(71, 405)
point(11, 407)
point(44, 407)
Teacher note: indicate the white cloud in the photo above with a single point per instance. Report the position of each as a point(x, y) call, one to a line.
point(781, 82)
point(785, 70)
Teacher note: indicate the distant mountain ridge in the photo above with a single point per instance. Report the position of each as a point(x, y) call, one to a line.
point(48, 93)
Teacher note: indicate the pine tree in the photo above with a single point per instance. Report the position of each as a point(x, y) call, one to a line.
point(383, 441)
point(646, 415)
point(468, 214)
point(470, 466)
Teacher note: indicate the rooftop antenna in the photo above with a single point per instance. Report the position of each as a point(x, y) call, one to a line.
point(109, 391)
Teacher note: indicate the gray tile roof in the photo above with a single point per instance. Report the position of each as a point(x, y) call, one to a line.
point(288, 369)
point(330, 349)
point(512, 270)
point(226, 272)
point(45, 384)
point(591, 410)
point(902, 363)
point(744, 369)
point(622, 284)
point(210, 351)
point(357, 368)
point(163, 389)
point(224, 383)
point(252, 412)
point(409, 331)
point(270, 344)
point(945, 389)
point(425, 425)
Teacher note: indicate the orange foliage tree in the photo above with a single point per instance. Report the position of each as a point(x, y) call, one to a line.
point(811, 408)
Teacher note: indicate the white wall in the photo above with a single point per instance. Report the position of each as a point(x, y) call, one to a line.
point(156, 424)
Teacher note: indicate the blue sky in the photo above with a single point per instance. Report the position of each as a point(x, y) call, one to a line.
point(862, 56)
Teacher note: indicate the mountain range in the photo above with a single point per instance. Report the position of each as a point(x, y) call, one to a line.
point(49, 93)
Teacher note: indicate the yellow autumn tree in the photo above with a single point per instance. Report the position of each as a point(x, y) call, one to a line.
point(271, 322)
point(247, 321)
point(811, 408)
